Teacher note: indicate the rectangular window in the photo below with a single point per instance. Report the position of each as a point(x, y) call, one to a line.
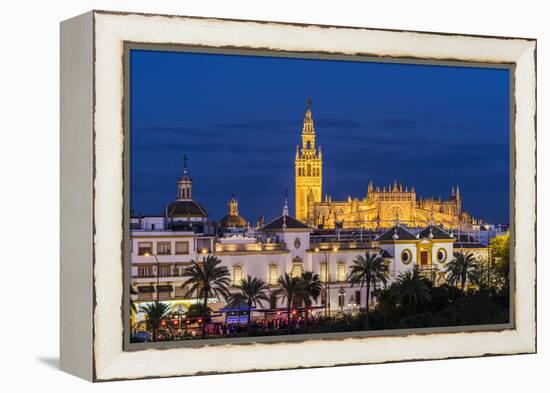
point(237, 274)
point(273, 274)
point(145, 248)
point(341, 271)
point(341, 299)
point(164, 271)
point(145, 271)
point(180, 270)
point(203, 245)
point(323, 272)
point(357, 298)
point(164, 248)
point(182, 248)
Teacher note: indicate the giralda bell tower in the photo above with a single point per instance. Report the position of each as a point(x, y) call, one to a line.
point(308, 169)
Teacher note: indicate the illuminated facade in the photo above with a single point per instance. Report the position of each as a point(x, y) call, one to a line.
point(381, 207)
point(308, 166)
point(163, 246)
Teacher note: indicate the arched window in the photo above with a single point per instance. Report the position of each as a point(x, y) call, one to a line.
point(273, 274)
point(341, 272)
point(308, 145)
point(237, 274)
point(309, 169)
point(297, 269)
point(300, 171)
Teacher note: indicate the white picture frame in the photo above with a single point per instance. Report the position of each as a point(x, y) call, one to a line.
point(92, 194)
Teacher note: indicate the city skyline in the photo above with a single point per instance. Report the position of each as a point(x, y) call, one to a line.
point(241, 146)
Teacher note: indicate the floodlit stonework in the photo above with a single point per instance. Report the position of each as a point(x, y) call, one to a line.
point(380, 207)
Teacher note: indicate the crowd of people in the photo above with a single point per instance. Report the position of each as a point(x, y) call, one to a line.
point(226, 329)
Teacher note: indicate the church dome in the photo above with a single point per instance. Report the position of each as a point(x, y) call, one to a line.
point(233, 222)
point(233, 219)
point(185, 209)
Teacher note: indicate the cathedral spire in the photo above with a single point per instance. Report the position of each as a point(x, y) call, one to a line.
point(185, 183)
point(285, 207)
point(233, 206)
point(308, 127)
point(308, 168)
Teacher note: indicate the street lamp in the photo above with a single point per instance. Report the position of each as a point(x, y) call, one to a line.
point(148, 254)
point(341, 298)
point(351, 304)
point(326, 253)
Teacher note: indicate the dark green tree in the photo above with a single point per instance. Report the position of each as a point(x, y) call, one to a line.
point(367, 271)
point(410, 289)
point(462, 268)
point(290, 291)
point(155, 312)
point(205, 279)
point(252, 292)
point(310, 290)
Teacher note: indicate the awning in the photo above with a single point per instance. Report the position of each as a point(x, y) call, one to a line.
point(164, 288)
point(147, 289)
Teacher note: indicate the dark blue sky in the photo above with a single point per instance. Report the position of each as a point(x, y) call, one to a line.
point(239, 119)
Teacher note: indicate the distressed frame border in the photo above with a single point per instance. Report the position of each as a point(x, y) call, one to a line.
point(111, 30)
point(128, 346)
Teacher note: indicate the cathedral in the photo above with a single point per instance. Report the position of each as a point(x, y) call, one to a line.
point(380, 207)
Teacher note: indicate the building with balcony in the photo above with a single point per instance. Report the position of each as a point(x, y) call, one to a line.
point(163, 246)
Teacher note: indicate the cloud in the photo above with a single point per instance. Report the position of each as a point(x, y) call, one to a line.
point(338, 123)
point(399, 123)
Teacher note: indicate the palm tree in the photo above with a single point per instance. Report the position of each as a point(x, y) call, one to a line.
point(481, 275)
point(207, 279)
point(273, 298)
point(310, 290)
point(253, 292)
point(410, 289)
point(155, 312)
point(290, 290)
point(462, 268)
point(366, 271)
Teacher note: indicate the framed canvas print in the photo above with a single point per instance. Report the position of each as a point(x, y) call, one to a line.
point(246, 195)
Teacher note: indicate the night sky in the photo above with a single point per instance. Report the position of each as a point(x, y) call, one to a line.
point(239, 118)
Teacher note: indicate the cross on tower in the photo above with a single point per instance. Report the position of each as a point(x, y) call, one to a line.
point(185, 161)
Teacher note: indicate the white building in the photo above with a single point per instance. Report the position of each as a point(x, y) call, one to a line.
point(163, 246)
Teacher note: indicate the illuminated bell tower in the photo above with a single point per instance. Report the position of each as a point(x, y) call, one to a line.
point(308, 169)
